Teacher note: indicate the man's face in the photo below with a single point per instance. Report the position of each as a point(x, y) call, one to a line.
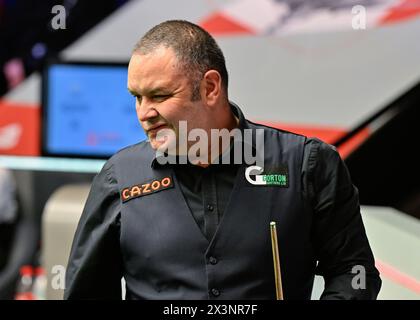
point(163, 94)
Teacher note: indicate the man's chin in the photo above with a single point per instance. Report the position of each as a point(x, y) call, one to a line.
point(162, 146)
point(164, 140)
point(157, 145)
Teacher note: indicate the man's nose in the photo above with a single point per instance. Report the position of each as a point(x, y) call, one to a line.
point(145, 110)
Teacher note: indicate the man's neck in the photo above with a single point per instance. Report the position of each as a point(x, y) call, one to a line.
point(231, 123)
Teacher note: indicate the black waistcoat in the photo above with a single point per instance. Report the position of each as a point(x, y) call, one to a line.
point(166, 256)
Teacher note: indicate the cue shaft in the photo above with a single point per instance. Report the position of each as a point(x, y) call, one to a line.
point(276, 261)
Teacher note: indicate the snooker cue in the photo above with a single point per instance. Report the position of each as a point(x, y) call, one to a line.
point(276, 260)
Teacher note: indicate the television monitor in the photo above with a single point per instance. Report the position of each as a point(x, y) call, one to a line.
point(87, 110)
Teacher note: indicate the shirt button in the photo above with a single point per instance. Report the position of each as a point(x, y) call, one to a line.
point(213, 260)
point(215, 292)
point(210, 207)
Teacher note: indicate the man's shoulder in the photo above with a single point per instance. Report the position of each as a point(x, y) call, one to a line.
point(276, 131)
point(320, 154)
point(138, 154)
point(280, 140)
point(310, 142)
point(313, 147)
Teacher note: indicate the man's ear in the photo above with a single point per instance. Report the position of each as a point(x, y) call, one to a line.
point(211, 87)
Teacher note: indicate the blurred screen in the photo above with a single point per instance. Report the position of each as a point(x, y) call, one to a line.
point(88, 111)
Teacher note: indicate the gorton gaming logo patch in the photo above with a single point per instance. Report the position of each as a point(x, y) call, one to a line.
point(143, 189)
point(276, 177)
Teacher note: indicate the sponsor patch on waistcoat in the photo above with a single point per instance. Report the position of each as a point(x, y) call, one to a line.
point(274, 177)
point(146, 188)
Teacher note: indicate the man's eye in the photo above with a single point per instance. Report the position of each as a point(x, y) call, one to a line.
point(160, 97)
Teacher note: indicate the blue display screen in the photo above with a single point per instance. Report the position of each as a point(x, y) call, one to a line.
point(88, 111)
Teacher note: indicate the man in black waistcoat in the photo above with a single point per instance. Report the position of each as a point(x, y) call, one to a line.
point(181, 221)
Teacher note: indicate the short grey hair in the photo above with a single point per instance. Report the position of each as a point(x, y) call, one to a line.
point(194, 47)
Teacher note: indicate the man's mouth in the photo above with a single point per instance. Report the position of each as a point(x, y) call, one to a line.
point(153, 130)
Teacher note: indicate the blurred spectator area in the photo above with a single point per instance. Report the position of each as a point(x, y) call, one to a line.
point(27, 40)
point(27, 37)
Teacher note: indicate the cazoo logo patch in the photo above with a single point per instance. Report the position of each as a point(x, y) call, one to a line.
point(146, 188)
